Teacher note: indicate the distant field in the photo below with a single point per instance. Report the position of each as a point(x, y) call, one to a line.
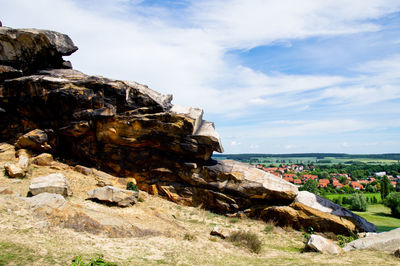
point(379, 215)
point(317, 159)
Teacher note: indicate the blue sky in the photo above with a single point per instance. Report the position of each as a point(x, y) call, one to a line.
point(282, 76)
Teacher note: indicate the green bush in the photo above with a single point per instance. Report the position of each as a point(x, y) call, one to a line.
point(95, 261)
point(358, 202)
point(343, 240)
point(393, 202)
point(246, 239)
point(131, 186)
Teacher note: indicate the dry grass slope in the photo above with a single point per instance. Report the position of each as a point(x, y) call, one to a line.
point(182, 236)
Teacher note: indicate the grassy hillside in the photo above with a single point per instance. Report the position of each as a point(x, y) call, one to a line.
point(379, 215)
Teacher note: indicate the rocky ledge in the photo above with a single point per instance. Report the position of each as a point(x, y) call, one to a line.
point(132, 131)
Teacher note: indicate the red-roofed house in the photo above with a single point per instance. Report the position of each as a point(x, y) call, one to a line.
point(337, 184)
point(394, 183)
point(356, 185)
point(297, 181)
point(323, 182)
point(289, 179)
point(307, 177)
point(290, 175)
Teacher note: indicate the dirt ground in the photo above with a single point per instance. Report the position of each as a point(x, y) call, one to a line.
point(174, 235)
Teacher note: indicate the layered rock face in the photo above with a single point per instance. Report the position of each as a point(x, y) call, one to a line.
point(123, 128)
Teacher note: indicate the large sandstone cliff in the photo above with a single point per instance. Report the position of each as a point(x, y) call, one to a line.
point(129, 130)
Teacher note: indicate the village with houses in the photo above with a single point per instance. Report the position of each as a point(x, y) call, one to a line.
point(300, 174)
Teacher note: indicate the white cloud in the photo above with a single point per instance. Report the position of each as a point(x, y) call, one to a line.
point(235, 143)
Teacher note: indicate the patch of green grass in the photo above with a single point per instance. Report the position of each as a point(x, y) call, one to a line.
point(343, 240)
point(269, 227)
point(379, 215)
point(234, 220)
point(15, 254)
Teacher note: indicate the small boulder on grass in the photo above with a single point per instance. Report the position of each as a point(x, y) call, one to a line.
point(220, 232)
point(44, 159)
point(53, 183)
point(320, 244)
point(113, 195)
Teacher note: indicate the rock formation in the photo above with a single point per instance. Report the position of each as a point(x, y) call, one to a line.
point(386, 241)
point(320, 244)
point(129, 130)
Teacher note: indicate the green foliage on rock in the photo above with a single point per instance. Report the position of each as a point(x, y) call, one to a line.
point(393, 202)
point(131, 186)
point(358, 202)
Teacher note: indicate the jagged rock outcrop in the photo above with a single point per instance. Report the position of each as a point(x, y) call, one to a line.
point(128, 130)
point(27, 50)
point(314, 201)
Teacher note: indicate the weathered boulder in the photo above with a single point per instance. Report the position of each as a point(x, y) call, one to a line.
point(120, 197)
point(386, 241)
point(320, 244)
point(46, 201)
point(31, 49)
point(300, 216)
point(53, 183)
point(14, 170)
point(44, 159)
point(83, 170)
point(327, 206)
point(34, 140)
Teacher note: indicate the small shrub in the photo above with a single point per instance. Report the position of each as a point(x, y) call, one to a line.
point(306, 236)
point(95, 261)
point(269, 227)
point(358, 202)
point(131, 186)
point(343, 240)
point(246, 239)
point(189, 237)
point(234, 220)
point(393, 202)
